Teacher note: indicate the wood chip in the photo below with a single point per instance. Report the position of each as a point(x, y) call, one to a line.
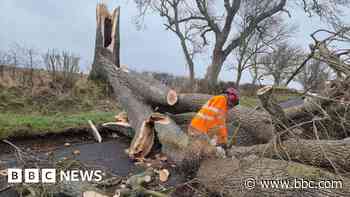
point(147, 178)
point(67, 144)
point(164, 175)
point(76, 152)
point(126, 151)
point(3, 172)
point(114, 135)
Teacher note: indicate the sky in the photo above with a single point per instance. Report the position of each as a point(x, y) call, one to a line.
point(70, 25)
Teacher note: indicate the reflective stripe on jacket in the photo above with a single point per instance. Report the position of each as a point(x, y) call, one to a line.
point(211, 119)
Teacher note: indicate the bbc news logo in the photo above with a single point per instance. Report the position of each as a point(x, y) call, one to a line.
point(50, 175)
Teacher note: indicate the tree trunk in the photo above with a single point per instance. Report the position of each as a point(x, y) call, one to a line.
point(107, 40)
point(149, 89)
point(279, 119)
point(213, 70)
point(251, 176)
point(330, 154)
point(140, 122)
point(186, 103)
point(238, 79)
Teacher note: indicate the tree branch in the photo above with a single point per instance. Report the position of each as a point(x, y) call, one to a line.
point(253, 24)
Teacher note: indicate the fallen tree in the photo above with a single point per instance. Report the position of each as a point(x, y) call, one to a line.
point(254, 176)
point(135, 93)
point(330, 154)
point(155, 111)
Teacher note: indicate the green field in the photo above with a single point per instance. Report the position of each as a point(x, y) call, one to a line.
point(23, 114)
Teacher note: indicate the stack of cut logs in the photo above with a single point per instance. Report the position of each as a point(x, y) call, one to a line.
point(306, 142)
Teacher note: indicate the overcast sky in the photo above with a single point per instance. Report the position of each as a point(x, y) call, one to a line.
point(70, 24)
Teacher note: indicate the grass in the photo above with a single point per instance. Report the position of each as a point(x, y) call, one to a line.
point(13, 124)
point(24, 113)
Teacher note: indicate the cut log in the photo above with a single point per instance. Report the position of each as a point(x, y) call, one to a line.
point(269, 103)
point(250, 177)
point(174, 141)
point(151, 90)
point(279, 119)
point(331, 154)
point(186, 103)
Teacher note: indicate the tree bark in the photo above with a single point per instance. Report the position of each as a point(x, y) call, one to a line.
point(232, 177)
point(107, 39)
point(213, 70)
point(330, 154)
point(140, 122)
point(186, 103)
point(279, 119)
point(149, 89)
point(141, 117)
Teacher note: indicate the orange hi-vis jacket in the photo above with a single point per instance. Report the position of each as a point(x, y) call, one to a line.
point(211, 119)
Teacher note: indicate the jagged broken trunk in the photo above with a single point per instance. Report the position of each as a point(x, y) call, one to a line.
point(107, 40)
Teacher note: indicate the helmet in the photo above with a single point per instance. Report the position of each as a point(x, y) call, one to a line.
point(233, 96)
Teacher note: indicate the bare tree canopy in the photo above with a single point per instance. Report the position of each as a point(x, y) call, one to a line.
point(213, 24)
point(271, 32)
point(62, 67)
point(280, 63)
point(313, 75)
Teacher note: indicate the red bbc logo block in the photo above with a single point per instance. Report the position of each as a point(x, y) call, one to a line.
point(33, 175)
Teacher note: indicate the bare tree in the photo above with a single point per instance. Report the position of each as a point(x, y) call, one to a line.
point(70, 68)
point(51, 61)
point(63, 67)
point(16, 53)
point(269, 32)
point(205, 19)
point(4, 61)
point(280, 63)
point(313, 75)
point(31, 61)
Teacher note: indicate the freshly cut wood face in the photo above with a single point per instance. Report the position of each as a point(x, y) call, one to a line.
point(263, 90)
